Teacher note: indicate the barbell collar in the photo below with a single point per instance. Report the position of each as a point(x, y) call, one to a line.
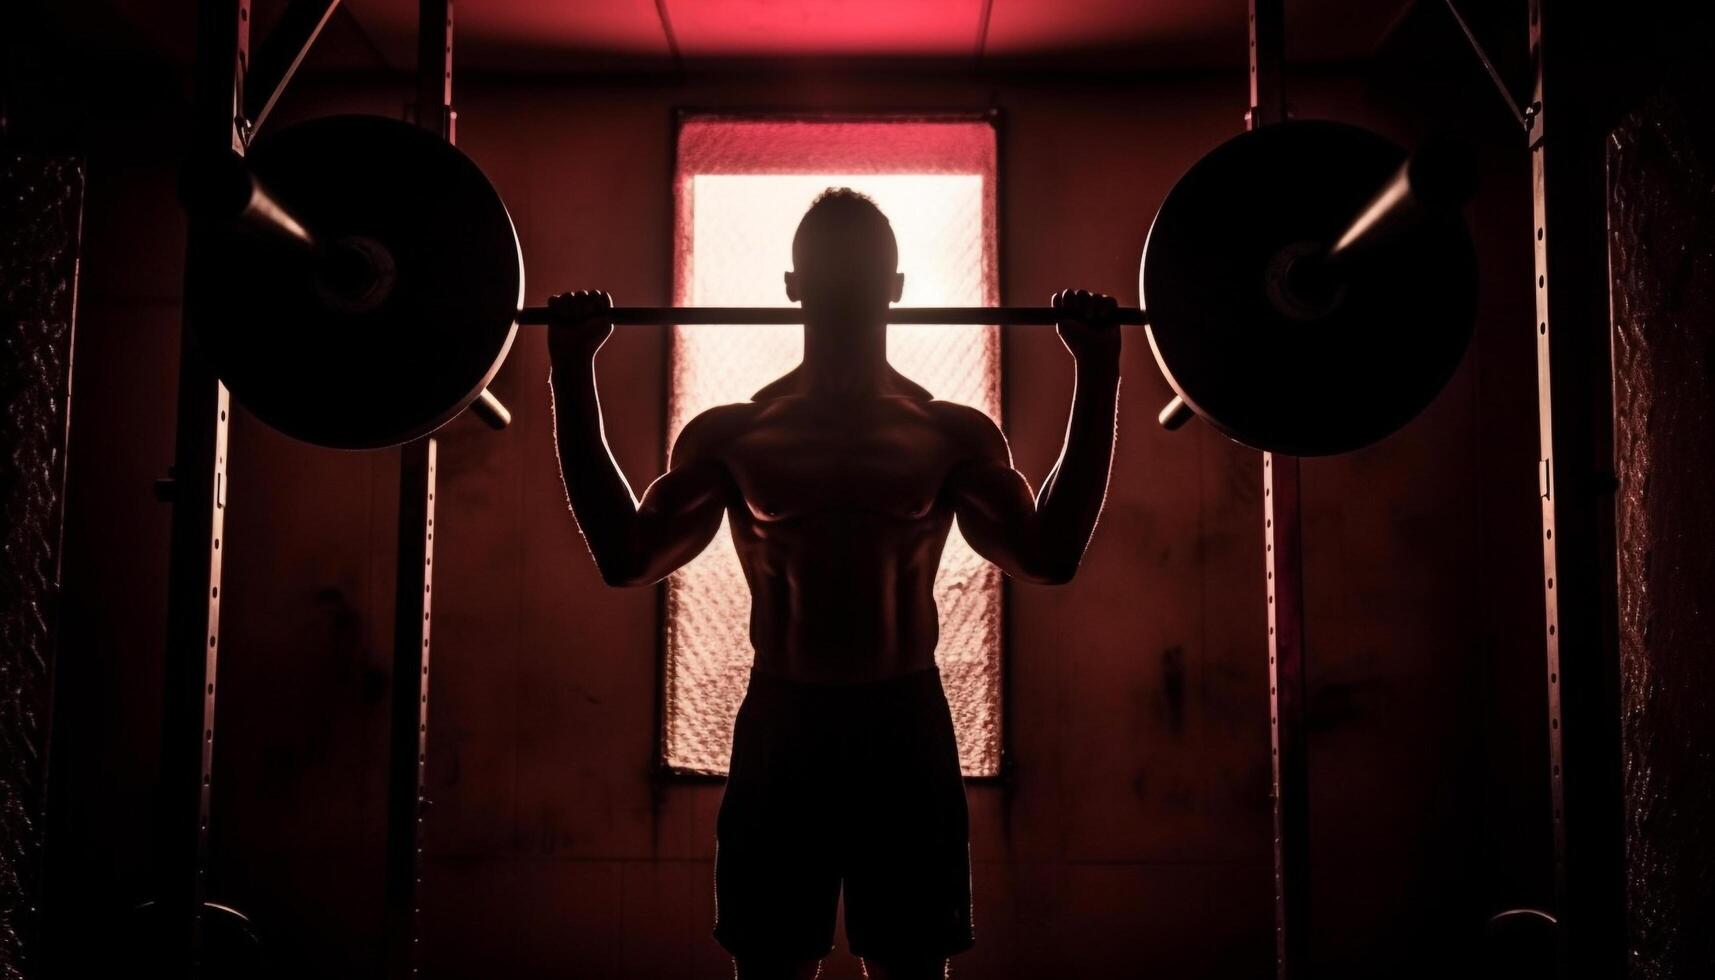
point(1174, 414)
point(792, 315)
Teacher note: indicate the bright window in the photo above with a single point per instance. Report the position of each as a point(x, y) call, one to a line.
point(742, 185)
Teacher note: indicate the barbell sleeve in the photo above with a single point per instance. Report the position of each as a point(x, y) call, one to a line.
point(1437, 179)
point(790, 315)
point(222, 188)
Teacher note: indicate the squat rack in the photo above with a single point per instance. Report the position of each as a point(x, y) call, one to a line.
point(196, 486)
point(231, 99)
point(1577, 482)
point(230, 103)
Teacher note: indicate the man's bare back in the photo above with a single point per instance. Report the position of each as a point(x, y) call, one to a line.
point(841, 481)
point(838, 512)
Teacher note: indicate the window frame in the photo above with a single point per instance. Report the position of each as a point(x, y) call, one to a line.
point(995, 118)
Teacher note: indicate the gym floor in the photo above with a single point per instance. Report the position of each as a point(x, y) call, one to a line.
point(1129, 830)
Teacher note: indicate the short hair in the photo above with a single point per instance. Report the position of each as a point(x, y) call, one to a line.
point(840, 212)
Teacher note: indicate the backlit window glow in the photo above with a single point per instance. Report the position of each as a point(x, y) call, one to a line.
point(739, 200)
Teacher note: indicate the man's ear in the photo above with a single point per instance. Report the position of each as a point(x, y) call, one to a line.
point(898, 287)
point(792, 286)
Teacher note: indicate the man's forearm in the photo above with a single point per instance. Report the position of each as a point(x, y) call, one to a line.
point(599, 495)
point(1071, 498)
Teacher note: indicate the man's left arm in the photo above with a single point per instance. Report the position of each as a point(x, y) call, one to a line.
point(1043, 539)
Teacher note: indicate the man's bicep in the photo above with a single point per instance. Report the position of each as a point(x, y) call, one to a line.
point(680, 512)
point(989, 490)
point(994, 509)
point(694, 487)
point(689, 486)
point(692, 493)
point(992, 502)
point(676, 520)
point(983, 485)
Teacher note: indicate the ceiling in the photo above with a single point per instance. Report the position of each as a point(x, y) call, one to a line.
point(583, 35)
point(596, 36)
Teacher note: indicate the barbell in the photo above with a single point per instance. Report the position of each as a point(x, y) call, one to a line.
point(1308, 288)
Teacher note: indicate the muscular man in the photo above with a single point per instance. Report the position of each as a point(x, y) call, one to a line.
point(841, 480)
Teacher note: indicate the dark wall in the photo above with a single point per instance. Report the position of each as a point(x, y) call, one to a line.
point(107, 678)
point(1133, 834)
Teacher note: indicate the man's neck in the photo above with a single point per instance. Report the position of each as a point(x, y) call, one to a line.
point(844, 359)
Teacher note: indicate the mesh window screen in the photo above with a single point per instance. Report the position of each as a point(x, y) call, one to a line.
point(41, 221)
point(742, 185)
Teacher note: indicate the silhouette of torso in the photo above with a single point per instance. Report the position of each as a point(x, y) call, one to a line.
point(836, 510)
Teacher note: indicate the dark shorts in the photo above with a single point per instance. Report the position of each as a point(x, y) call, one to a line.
point(853, 785)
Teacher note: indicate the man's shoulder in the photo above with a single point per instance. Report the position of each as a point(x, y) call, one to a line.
point(968, 427)
point(712, 428)
point(721, 419)
point(959, 415)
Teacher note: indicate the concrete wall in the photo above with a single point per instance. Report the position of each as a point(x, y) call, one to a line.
point(1132, 836)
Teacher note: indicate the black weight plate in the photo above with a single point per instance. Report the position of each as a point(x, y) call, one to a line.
point(387, 375)
point(1304, 387)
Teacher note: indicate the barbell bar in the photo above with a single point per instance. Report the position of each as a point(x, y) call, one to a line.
point(666, 316)
point(1290, 303)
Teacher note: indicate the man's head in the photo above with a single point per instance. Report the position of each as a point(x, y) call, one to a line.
point(845, 259)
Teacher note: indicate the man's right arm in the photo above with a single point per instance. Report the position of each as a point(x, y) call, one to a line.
point(633, 542)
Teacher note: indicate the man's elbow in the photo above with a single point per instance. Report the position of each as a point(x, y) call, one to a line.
point(618, 579)
point(1052, 570)
point(621, 572)
point(626, 580)
point(1059, 575)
